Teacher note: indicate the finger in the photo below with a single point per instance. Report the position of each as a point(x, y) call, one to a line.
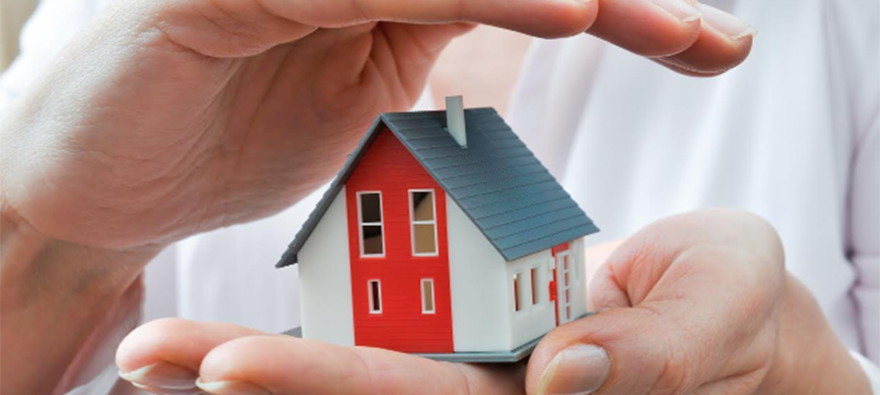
point(597, 255)
point(544, 18)
point(234, 28)
point(280, 365)
point(724, 42)
point(604, 292)
point(699, 314)
point(407, 52)
point(648, 27)
point(164, 355)
point(687, 37)
point(393, 53)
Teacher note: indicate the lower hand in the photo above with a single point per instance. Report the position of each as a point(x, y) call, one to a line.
point(698, 303)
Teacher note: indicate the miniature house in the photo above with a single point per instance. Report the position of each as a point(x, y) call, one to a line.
point(443, 235)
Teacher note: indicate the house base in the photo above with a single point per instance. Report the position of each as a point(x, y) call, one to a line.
point(513, 356)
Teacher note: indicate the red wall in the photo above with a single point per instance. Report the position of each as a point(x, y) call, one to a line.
point(387, 166)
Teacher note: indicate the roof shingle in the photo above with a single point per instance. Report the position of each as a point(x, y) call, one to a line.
point(498, 183)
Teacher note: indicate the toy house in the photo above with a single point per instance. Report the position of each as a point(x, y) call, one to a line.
point(443, 236)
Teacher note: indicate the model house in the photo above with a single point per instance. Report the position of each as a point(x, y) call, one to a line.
point(443, 235)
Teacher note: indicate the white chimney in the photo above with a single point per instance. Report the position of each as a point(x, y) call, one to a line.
point(455, 119)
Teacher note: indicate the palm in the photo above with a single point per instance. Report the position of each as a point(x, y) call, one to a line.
point(174, 117)
point(236, 138)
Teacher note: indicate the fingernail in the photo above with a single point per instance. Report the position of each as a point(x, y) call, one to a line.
point(582, 2)
point(727, 24)
point(162, 376)
point(576, 370)
point(679, 9)
point(231, 387)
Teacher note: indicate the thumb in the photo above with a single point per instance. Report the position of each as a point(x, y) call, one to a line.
point(688, 302)
point(621, 351)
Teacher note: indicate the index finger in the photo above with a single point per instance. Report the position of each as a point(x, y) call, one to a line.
point(542, 18)
point(286, 365)
point(694, 38)
point(685, 36)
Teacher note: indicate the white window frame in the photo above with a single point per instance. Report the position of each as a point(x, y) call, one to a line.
point(518, 278)
point(370, 295)
point(361, 224)
point(433, 299)
point(535, 285)
point(413, 222)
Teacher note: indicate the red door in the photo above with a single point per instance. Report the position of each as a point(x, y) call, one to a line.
point(398, 248)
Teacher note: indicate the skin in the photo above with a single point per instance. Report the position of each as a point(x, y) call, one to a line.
point(696, 304)
point(169, 118)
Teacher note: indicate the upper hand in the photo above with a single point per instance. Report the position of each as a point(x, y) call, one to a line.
point(169, 118)
point(698, 303)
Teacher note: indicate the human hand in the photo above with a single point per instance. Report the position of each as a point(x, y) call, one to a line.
point(694, 304)
point(697, 304)
point(173, 117)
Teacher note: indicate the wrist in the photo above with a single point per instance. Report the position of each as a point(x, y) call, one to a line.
point(809, 358)
point(52, 295)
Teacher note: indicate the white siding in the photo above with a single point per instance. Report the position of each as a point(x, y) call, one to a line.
point(535, 320)
point(325, 279)
point(478, 287)
point(531, 321)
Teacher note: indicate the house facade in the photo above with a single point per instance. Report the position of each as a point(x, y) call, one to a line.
point(425, 245)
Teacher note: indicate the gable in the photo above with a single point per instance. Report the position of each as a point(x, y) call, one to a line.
point(496, 181)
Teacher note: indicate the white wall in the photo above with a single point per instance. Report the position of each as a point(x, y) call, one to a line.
point(325, 279)
point(478, 287)
point(535, 320)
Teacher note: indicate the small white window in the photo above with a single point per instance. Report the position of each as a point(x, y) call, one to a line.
point(423, 218)
point(534, 277)
point(517, 291)
point(427, 296)
point(374, 288)
point(370, 224)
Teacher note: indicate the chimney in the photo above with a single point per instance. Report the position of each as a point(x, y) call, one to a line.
point(455, 120)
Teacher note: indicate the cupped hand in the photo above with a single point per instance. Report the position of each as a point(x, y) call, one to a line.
point(694, 304)
point(168, 118)
point(697, 304)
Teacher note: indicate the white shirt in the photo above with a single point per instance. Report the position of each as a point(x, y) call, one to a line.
point(792, 135)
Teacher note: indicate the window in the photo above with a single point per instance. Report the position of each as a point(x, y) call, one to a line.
point(424, 223)
point(370, 223)
point(374, 287)
point(427, 296)
point(517, 287)
point(533, 276)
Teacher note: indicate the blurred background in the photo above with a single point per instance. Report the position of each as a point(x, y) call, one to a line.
point(13, 15)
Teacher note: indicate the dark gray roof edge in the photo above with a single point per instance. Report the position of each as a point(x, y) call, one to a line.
point(504, 253)
point(290, 255)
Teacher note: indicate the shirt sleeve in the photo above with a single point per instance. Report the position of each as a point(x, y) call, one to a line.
point(871, 371)
point(865, 236)
point(53, 24)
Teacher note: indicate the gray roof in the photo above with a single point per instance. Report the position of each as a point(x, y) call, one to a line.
point(496, 181)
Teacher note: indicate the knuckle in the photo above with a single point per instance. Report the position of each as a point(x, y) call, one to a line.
point(165, 325)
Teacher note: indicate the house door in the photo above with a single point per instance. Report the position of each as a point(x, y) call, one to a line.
point(564, 281)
